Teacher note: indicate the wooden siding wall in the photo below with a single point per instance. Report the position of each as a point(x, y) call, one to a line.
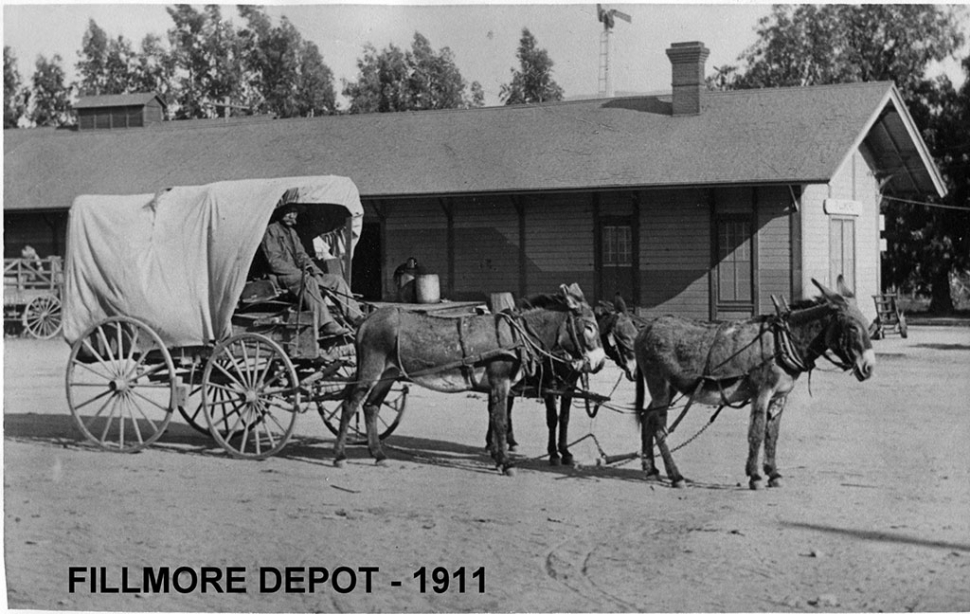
point(675, 253)
point(854, 181)
point(559, 242)
point(486, 246)
point(419, 228)
point(774, 245)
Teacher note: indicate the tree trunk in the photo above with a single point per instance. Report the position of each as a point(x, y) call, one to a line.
point(941, 302)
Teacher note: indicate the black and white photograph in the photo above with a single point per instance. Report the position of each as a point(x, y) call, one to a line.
point(486, 307)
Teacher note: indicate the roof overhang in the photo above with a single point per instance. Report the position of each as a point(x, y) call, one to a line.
point(901, 161)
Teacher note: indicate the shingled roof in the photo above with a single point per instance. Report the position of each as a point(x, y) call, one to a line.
point(784, 135)
point(117, 100)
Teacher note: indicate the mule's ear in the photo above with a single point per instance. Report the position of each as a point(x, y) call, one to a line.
point(619, 303)
point(830, 296)
point(572, 296)
point(843, 289)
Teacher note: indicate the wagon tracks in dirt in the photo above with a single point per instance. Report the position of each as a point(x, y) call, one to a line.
point(560, 566)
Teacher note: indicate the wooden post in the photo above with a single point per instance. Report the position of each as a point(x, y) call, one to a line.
point(349, 252)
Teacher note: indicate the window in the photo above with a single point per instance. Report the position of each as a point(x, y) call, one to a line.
point(734, 260)
point(617, 246)
point(842, 250)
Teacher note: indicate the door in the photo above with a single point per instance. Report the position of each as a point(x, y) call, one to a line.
point(366, 280)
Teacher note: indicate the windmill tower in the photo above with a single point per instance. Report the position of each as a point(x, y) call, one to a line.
point(607, 17)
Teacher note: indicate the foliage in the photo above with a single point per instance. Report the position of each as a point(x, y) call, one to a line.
point(14, 95)
point(286, 75)
point(928, 246)
point(51, 97)
point(154, 68)
point(815, 44)
point(208, 54)
point(801, 45)
point(416, 80)
point(533, 82)
point(113, 66)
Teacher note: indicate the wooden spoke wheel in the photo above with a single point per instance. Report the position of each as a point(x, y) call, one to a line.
point(250, 396)
point(388, 418)
point(42, 317)
point(121, 384)
point(192, 410)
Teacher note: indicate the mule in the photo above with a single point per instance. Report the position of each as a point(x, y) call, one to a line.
point(754, 361)
point(617, 334)
point(487, 353)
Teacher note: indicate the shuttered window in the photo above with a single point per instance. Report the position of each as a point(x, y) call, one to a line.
point(734, 260)
point(617, 246)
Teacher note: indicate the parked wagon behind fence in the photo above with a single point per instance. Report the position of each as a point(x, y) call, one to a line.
point(32, 295)
point(164, 310)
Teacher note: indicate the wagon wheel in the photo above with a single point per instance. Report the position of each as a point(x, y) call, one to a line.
point(42, 317)
point(192, 410)
point(903, 329)
point(392, 410)
point(121, 384)
point(250, 396)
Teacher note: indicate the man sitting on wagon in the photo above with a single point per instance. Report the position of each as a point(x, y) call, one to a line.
point(288, 260)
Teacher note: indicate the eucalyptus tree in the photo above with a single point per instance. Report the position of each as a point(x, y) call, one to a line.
point(50, 95)
point(532, 83)
point(417, 79)
point(14, 95)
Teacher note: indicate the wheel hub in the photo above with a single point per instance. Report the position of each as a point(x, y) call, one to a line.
point(119, 384)
point(252, 396)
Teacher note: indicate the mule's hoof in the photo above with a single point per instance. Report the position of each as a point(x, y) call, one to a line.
point(513, 447)
point(555, 461)
point(509, 472)
point(568, 461)
point(775, 482)
point(755, 484)
point(651, 476)
point(681, 483)
point(382, 462)
point(339, 463)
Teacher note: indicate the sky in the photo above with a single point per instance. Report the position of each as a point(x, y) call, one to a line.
point(483, 37)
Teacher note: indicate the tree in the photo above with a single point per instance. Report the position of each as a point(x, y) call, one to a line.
point(928, 244)
point(14, 95)
point(284, 74)
point(154, 68)
point(533, 82)
point(416, 80)
point(208, 61)
point(92, 68)
point(51, 97)
point(800, 45)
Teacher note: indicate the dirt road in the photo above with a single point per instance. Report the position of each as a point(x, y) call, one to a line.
point(874, 515)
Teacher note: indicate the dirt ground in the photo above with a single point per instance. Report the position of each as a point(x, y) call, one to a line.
point(874, 515)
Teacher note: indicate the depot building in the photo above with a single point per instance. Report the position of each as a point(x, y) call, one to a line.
point(701, 203)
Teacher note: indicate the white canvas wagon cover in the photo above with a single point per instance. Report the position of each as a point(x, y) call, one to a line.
point(178, 260)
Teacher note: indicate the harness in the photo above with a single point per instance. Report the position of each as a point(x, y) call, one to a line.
point(526, 348)
point(786, 355)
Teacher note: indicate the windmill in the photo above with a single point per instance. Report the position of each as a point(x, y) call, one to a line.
point(607, 16)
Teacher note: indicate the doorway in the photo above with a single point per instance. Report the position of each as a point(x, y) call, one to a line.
point(366, 278)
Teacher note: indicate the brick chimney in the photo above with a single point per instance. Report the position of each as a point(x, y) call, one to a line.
point(687, 64)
